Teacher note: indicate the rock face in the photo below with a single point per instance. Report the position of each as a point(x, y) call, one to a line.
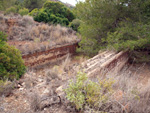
point(104, 62)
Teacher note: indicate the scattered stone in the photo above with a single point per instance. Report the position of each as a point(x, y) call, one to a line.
point(60, 91)
point(46, 91)
point(21, 89)
point(48, 101)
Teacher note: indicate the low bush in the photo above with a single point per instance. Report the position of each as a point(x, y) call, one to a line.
point(88, 46)
point(11, 63)
point(3, 37)
point(84, 92)
point(23, 11)
point(75, 24)
point(53, 13)
point(129, 36)
point(41, 17)
point(11, 10)
point(34, 12)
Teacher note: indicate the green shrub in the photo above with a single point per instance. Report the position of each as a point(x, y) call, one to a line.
point(64, 21)
point(75, 24)
point(11, 63)
point(88, 46)
point(23, 11)
point(58, 9)
point(32, 4)
point(4, 4)
point(3, 37)
point(11, 10)
point(1, 5)
point(41, 17)
point(18, 7)
point(86, 92)
point(141, 56)
point(129, 36)
point(53, 13)
point(117, 24)
point(34, 12)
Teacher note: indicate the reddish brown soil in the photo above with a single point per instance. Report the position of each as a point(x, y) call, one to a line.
point(56, 52)
point(17, 43)
point(68, 48)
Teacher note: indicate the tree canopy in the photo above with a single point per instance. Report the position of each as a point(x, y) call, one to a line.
point(32, 4)
point(53, 12)
point(121, 24)
point(4, 4)
point(11, 63)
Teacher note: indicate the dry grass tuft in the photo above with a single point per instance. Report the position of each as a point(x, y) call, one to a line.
point(27, 30)
point(35, 102)
point(6, 88)
point(130, 93)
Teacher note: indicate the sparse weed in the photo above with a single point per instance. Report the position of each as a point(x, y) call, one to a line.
point(6, 87)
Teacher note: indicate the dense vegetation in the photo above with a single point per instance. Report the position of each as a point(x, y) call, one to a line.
point(75, 24)
point(42, 10)
point(119, 24)
point(11, 63)
point(53, 13)
point(32, 4)
point(4, 4)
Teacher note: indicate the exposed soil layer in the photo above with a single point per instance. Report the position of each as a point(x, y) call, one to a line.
point(42, 57)
point(39, 43)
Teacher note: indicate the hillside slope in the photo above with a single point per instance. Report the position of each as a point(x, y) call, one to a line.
point(38, 41)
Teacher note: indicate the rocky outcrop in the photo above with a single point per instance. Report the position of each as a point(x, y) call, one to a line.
point(107, 61)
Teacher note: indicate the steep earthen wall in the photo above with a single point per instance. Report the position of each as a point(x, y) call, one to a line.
point(39, 58)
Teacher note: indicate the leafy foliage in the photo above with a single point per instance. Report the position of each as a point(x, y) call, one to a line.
point(11, 10)
point(75, 24)
point(23, 11)
point(86, 92)
point(3, 37)
point(121, 24)
point(59, 9)
point(129, 36)
point(53, 13)
point(11, 63)
point(34, 12)
point(41, 17)
point(32, 4)
point(4, 4)
point(88, 46)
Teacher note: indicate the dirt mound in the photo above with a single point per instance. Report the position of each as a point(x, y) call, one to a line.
point(30, 36)
point(39, 43)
